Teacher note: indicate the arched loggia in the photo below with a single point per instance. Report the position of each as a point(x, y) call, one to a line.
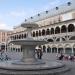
point(20, 36)
point(39, 32)
point(47, 32)
point(54, 50)
point(57, 30)
point(33, 34)
point(68, 49)
point(60, 50)
point(63, 29)
point(48, 49)
point(36, 33)
point(17, 36)
point(70, 28)
point(25, 35)
point(52, 30)
point(43, 32)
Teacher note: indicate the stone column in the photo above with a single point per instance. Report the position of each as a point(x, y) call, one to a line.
point(72, 50)
point(28, 54)
point(64, 50)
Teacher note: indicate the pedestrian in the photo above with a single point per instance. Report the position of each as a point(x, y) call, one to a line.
point(61, 57)
point(39, 53)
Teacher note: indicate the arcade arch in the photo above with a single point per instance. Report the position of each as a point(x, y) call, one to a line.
point(71, 28)
point(47, 32)
point(68, 49)
point(52, 30)
point(63, 29)
point(43, 32)
point(48, 49)
point(57, 30)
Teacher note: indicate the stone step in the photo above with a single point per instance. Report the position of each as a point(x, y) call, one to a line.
point(54, 71)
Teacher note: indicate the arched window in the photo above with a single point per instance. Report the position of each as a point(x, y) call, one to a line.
point(70, 28)
point(17, 36)
point(57, 30)
point(24, 35)
point(43, 32)
point(36, 33)
point(63, 29)
point(39, 33)
point(47, 32)
point(20, 36)
point(52, 30)
point(33, 34)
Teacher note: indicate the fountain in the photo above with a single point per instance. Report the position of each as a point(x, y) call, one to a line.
point(29, 64)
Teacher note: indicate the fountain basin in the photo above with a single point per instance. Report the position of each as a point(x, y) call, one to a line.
point(49, 68)
point(28, 42)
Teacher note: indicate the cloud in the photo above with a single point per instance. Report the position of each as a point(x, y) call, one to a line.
point(5, 26)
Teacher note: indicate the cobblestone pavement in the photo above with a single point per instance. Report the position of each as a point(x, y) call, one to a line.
point(52, 57)
point(70, 64)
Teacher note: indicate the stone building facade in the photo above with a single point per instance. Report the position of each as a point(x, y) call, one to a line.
point(3, 39)
point(57, 26)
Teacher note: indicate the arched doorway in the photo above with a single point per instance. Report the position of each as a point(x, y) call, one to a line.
point(48, 49)
point(54, 50)
point(68, 49)
point(60, 50)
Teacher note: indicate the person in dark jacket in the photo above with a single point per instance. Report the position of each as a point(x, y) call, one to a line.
point(39, 53)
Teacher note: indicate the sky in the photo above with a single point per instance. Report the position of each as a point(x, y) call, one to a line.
point(14, 12)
